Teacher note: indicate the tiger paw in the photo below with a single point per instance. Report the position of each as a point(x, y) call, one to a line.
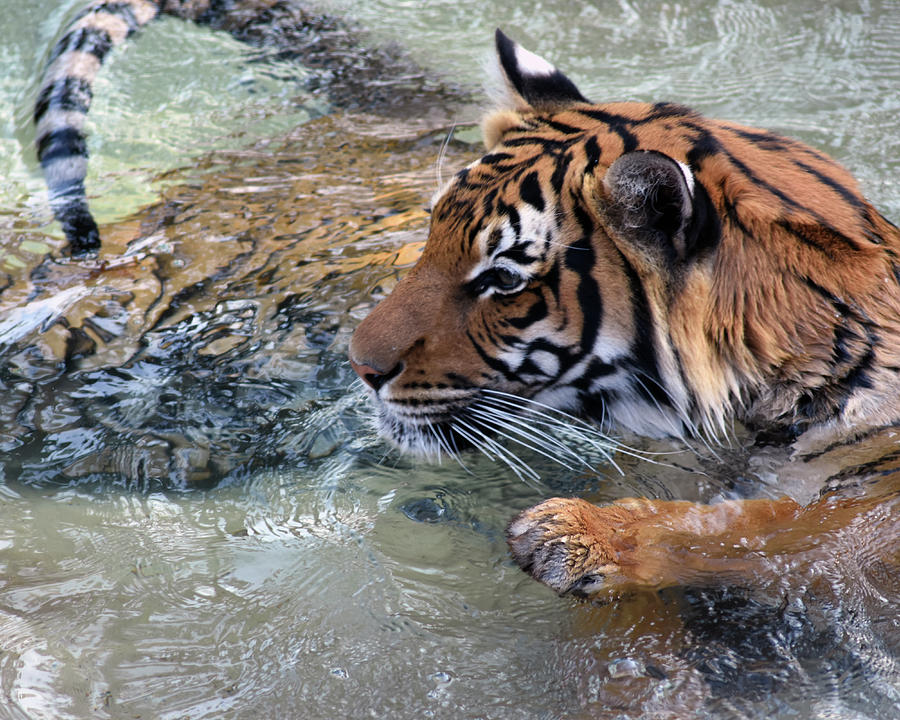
point(571, 545)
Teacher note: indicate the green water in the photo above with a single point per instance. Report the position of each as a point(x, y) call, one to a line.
point(320, 575)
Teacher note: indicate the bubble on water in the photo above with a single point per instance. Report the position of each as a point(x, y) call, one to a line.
point(625, 667)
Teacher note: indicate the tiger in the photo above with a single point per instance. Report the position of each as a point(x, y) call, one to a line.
point(644, 265)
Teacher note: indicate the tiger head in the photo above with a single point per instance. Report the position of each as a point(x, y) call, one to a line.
point(630, 262)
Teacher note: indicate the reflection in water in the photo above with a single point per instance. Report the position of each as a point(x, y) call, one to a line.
point(181, 360)
point(197, 519)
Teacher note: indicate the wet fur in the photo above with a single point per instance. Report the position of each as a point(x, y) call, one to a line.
point(678, 272)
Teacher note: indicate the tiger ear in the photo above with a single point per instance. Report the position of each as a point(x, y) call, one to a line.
point(657, 205)
point(528, 82)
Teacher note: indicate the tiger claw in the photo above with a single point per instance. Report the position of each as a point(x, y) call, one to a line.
point(558, 544)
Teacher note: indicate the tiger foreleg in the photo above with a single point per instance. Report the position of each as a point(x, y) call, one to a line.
point(635, 544)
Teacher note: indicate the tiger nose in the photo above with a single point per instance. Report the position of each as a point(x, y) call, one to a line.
point(372, 376)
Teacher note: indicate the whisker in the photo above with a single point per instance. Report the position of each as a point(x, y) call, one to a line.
point(453, 452)
point(580, 430)
point(519, 402)
point(442, 153)
point(480, 446)
point(648, 393)
point(572, 423)
point(541, 418)
point(490, 411)
point(435, 430)
point(483, 417)
point(529, 430)
point(602, 446)
point(691, 425)
point(455, 426)
point(555, 424)
point(516, 464)
point(434, 454)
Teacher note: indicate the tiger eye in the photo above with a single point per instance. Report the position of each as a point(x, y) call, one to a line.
point(504, 279)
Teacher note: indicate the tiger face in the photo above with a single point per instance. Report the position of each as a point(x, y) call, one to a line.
point(629, 262)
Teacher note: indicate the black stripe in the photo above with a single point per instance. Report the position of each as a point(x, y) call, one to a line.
point(518, 253)
point(705, 144)
point(798, 234)
point(458, 382)
point(596, 369)
point(643, 363)
point(123, 10)
point(530, 367)
point(778, 143)
point(840, 305)
point(816, 237)
point(551, 278)
point(592, 154)
point(510, 341)
point(487, 202)
point(562, 127)
point(546, 144)
point(852, 198)
point(513, 215)
point(70, 94)
point(731, 213)
point(594, 405)
point(856, 376)
point(491, 361)
point(62, 143)
point(470, 229)
point(580, 258)
point(530, 191)
point(618, 124)
point(662, 110)
point(93, 40)
point(843, 335)
point(763, 138)
point(494, 158)
point(559, 172)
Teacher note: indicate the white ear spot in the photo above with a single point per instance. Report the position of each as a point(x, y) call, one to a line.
point(531, 64)
point(688, 176)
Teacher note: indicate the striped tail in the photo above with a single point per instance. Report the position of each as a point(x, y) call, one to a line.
point(63, 103)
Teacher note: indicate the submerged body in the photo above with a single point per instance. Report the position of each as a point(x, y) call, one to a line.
point(65, 99)
point(285, 30)
point(644, 265)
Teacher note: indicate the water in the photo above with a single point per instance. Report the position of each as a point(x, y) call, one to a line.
point(196, 518)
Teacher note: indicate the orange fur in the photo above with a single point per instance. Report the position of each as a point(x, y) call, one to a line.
point(638, 544)
point(781, 310)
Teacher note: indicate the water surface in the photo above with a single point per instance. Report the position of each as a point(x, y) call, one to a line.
point(197, 520)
